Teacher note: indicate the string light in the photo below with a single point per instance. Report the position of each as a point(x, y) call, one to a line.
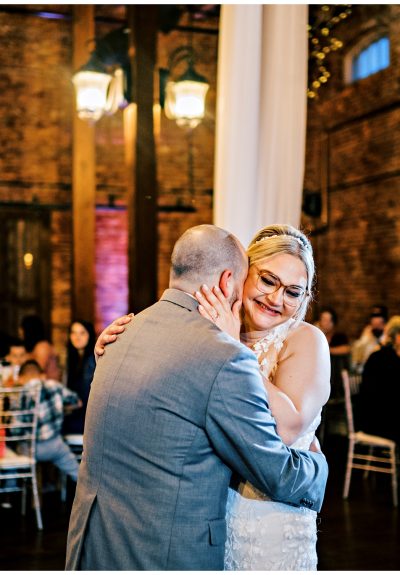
point(322, 43)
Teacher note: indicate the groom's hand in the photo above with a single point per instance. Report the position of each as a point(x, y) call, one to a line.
point(110, 333)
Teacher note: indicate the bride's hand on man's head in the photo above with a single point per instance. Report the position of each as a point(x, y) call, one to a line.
point(110, 333)
point(215, 307)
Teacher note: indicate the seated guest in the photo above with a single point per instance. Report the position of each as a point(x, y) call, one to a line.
point(15, 357)
point(79, 371)
point(339, 348)
point(379, 397)
point(333, 420)
point(39, 347)
point(371, 337)
point(4, 343)
point(16, 352)
point(54, 397)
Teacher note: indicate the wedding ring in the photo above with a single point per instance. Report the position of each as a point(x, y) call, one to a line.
point(216, 316)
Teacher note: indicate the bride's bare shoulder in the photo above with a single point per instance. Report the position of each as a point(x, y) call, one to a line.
point(306, 334)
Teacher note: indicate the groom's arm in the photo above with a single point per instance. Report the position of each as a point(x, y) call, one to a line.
point(243, 432)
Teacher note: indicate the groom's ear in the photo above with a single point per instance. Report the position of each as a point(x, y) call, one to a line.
point(226, 283)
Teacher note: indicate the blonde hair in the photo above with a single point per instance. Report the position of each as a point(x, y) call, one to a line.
point(285, 239)
point(392, 328)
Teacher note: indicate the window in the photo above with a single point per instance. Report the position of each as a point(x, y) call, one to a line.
point(375, 57)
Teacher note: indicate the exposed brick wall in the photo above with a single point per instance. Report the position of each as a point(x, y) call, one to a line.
point(185, 160)
point(111, 266)
point(35, 140)
point(36, 107)
point(358, 255)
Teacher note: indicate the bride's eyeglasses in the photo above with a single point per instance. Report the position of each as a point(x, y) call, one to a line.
point(268, 283)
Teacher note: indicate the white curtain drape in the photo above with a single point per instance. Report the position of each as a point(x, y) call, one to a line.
point(261, 117)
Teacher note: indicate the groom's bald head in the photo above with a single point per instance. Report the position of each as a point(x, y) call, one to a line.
point(202, 254)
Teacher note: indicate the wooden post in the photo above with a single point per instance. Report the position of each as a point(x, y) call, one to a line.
point(83, 181)
point(142, 20)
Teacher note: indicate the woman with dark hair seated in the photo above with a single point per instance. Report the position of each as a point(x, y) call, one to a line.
point(79, 370)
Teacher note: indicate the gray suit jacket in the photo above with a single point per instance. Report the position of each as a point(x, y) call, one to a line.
point(176, 405)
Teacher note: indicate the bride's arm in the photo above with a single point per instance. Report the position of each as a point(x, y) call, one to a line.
point(301, 385)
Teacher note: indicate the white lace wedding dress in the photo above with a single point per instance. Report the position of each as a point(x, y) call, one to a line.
point(265, 535)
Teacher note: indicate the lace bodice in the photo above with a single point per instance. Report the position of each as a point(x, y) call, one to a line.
point(267, 350)
point(263, 534)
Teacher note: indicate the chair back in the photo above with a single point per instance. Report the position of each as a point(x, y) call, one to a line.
point(19, 409)
point(347, 399)
point(355, 382)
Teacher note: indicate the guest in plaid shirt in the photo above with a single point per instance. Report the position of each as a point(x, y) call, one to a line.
point(55, 398)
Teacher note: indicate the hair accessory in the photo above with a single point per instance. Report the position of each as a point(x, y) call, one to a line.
point(301, 243)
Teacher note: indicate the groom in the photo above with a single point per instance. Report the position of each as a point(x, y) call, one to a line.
point(176, 405)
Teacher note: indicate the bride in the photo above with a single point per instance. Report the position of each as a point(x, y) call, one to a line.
point(294, 361)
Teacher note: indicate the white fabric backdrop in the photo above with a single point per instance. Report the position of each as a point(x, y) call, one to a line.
point(261, 116)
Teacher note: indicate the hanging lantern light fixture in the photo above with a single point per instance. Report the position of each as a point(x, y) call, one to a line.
point(91, 87)
point(184, 97)
point(102, 84)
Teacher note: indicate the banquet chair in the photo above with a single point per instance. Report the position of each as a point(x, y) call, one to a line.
point(355, 382)
point(333, 414)
point(75, 443)
point(384, 462)
point(19, 408)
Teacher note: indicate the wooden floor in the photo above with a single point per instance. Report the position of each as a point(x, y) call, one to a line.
point(362, 533)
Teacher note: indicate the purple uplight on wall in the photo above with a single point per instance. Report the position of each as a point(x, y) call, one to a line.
point(52, 15)
point(111, 266)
